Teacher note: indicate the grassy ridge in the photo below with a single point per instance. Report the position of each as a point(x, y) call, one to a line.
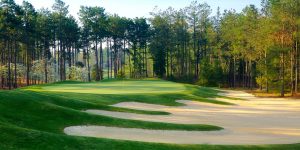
point(33, 110)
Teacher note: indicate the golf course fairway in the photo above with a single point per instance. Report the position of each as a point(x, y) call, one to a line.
point(37, 117)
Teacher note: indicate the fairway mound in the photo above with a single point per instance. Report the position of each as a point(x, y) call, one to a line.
point(251, 122)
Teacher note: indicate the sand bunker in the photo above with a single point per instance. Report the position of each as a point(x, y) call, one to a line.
point(255, 121)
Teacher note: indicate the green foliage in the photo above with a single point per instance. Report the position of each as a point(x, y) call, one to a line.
point(158, 45)
point(261, 81)
point(77, 73)
point(79, 64)
point(211, 74)
point(121, 75)
point(37, 71)
point(20, 70)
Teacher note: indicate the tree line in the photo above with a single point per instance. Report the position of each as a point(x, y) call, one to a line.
point(42, 46)
point(255, 48)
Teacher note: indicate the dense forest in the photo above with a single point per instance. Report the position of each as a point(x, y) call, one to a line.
point(255, 48)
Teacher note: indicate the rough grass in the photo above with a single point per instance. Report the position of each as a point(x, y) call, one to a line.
point(34, 117)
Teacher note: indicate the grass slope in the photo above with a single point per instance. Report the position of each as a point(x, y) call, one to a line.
point(34, 117)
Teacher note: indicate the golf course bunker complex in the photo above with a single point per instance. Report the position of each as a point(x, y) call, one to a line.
point(250, 121)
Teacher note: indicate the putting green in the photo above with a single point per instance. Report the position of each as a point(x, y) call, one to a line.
point(119, 87)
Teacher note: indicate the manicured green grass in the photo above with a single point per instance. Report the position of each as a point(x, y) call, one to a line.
point(52, 113)
point(118, 87)
point(147, 91)
point(34, 117)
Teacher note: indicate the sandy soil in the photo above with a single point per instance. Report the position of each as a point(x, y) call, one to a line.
point(251, 121)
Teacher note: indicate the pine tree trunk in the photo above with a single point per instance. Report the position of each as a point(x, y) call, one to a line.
point(101, 61)
point(266, 73)
point(97, 61)
point(2, 62)
point(292, 73)
point(64, 64)
point(27, 65)
point(115, 60)
point(111, 60)
point(146, 61)
point(130, 69)
point(15, 62)
point(234, 77)
point(297, 68)
point(282, 74)
point(167, 61)
point(88, 63)
point(124, 59)
point(69, 60)
point(9, 69)
point(107, 47)
point(194, 48)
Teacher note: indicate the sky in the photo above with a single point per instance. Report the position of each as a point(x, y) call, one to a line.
point(141, 8)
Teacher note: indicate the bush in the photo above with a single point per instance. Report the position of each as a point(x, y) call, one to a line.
point(121, 75)
point(79, 64)
point(21, 70)
point(211, 74)
point(77, 73)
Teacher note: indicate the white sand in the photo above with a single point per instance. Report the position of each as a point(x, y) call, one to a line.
point(255, 121)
